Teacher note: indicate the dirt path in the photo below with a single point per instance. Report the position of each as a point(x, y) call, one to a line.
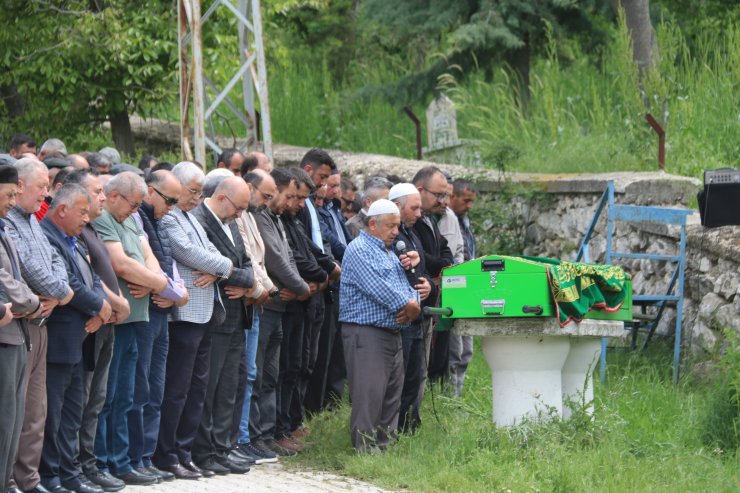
point(273, 478)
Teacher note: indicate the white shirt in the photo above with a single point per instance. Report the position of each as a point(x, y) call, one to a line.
point(224, 226)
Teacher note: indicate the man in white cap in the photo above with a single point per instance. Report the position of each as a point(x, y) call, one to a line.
point(376, 303)
point(408, 199)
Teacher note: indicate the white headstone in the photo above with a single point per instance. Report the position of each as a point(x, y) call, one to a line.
point(442, 124)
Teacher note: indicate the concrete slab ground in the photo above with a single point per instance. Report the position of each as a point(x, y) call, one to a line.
point(273, 478)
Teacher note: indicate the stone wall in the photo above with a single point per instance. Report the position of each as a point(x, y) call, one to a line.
point(548, 214)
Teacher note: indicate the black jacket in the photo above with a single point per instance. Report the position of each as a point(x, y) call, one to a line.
point(438, 254)
point(413, 243)
point(307, 259)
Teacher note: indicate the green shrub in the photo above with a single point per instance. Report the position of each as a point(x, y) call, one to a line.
point(721, 423)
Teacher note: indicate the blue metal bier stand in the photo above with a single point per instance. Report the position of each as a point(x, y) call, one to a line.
point(638, 213)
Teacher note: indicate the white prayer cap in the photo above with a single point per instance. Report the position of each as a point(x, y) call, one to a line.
point(381, 207)
point(401, 190)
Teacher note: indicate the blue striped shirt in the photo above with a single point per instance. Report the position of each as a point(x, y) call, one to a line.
point(374, 287)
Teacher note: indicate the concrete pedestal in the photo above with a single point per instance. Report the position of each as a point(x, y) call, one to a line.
point(577, 374)
point(535, 363)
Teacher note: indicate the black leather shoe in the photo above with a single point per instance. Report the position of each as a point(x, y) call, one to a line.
point(147, 472)
point(135, 478)
point(190, 466)
point(163, 475)
point(234, 467)
point(179, 471)
point(213, 466)
point(40, 489)
point(80, 486)
point(105, 481)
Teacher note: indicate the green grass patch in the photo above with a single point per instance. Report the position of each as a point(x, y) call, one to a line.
point(646, 436)
point(590, 117)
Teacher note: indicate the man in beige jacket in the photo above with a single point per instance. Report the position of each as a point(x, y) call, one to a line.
point(263, 190)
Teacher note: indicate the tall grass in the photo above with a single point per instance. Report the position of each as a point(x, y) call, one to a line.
point(584, 116)
point(591, 117)
point(310, 109)
point(646, 436)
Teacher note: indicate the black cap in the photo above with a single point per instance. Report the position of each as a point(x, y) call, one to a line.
point(8, 174)
point(57, 162)
point(120, 168)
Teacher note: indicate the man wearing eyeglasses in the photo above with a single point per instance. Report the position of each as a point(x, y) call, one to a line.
point(432, 186)
point(200, 265)
point(212, 449)
point(262, 190)
point(139, 275)
point(163, 192)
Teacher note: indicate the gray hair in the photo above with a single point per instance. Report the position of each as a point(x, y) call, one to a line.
point(213, 179)
point(67, 195)
point(112, 154)
point(187, 171)
point(28, 167)
point(366, 219)
point(126, 183)
point(53, 145)
point(401, 201)
point(374, 188)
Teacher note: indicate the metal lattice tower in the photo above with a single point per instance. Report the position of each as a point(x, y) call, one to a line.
point(252, 74)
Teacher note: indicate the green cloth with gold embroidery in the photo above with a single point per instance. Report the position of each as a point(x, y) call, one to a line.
point(577, 288)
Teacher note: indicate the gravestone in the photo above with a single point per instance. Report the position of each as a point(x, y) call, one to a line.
point(442, 125)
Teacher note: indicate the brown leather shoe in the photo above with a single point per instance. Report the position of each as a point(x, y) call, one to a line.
point(290, 444)
point(300, 432)
point(181, 472)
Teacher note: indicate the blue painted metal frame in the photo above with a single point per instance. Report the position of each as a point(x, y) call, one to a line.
point(638, 213)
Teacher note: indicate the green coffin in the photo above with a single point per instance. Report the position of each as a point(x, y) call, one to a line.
point(498, 286)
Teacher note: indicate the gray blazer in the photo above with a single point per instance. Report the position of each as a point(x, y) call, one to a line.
point(193, 251)
point(15, 291)
point(279, 260)
point(238, 314)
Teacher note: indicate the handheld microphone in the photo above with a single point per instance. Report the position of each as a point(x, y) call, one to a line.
point(401, 247)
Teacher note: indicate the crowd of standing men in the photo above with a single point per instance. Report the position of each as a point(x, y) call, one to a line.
point(160, 323)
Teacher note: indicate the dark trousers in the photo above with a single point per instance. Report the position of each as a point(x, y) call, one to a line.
point(186, 381)
point(439, 359)
point(95, 390)
point(143, 419)
point(316, 393)
point(241, 394)
point(313, 321)
point(31, 442)
point(375, 376)
point(263, 409)
point(336, 374)
point(111, 440)
point(64, 396)
point(214, 434)
point(12, 405)
point(291, 363)
point(413, 361)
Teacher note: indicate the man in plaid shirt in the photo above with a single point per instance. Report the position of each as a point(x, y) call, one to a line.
point(44, 271)
point(376, 303)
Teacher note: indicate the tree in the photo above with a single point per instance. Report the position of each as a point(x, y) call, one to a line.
point(644, 42)
point(471, 34)
point(82, 62)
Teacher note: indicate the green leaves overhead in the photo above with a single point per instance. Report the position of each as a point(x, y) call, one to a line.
point(467, 34)
point(76, 62)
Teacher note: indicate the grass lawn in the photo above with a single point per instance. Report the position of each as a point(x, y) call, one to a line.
point(646, 436)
